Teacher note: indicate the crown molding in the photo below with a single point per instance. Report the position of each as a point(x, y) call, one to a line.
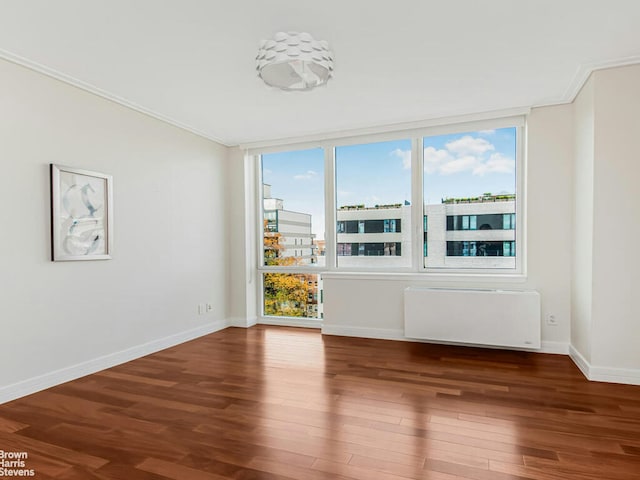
point(581, 76)
point(585, 70)
point(579, 79)
point(390, 130)
point(87, 87)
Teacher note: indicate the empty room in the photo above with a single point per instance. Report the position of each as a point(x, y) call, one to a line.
point(319, 240)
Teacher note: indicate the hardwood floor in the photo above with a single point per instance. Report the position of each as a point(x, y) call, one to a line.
point(282, 403)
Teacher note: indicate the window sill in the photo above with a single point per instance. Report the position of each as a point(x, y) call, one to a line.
point(429, 277)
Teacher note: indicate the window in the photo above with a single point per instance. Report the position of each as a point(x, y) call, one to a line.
point(393, 225)
point(479, 249)
point(371, 249)
point(291, 295)
point(509, 249)
point(463, 222)
point(468, 219)
point(293, 207)
point(505, 221)
point(469, 182)
point(293, 217)
point(508, 221)
point(373, 193)
point(425, 223)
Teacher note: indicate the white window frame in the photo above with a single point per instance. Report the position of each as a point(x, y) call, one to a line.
point(519, 272)
point(417, 270)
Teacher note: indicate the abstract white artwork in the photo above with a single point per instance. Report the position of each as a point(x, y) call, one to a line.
point(81, 214)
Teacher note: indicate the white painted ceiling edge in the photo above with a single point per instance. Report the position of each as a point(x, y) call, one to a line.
point(36, 67)
point(192, 63)
point(580, 78)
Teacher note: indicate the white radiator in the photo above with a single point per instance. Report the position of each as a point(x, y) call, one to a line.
point(484, 317)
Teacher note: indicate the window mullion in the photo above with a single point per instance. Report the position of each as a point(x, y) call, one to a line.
point(417, 232)
point(470, 220)
point(521, 199)
point(256, 170)
point(330, 208)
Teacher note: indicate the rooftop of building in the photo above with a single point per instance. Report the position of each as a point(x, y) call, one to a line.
point(375, 207)
point(485, 197)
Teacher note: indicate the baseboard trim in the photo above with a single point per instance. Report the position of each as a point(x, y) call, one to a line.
point(627, 376)
point(365, 332)
point(66, 374)
point(242, 322)
point(556, 348)
point(559, 348)
point(290, 322)
point(57, 377)
point(580, 362)
point(591, 372)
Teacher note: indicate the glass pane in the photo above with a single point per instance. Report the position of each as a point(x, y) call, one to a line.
point(292, 295)
point(293, 208)
point(470, 198)
point(373, 190)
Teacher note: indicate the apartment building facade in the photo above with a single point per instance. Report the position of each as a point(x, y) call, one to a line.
point(289, 241)
point(474, 232)
point(288, 236)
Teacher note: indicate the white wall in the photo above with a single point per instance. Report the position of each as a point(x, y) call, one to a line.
point(242, 255)
point(170, 244)
point(361, 305)
point(549, 214)
point(582, 208)
point(581, 293)
point(616, 220)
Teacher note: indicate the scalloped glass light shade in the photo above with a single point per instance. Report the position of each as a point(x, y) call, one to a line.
point(294, 61)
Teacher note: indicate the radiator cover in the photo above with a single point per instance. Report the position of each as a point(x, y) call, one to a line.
point(504, 318)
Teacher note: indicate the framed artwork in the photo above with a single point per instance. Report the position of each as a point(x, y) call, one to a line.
point(81, 214)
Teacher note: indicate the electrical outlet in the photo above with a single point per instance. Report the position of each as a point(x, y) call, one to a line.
point(552, 320)
point(201, 308)
point(209, 307)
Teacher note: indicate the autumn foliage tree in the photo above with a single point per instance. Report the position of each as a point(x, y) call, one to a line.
point(285, 294)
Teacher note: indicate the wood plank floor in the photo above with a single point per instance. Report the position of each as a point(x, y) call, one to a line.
point(282, 403)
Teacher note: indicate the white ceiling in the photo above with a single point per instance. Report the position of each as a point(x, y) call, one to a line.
point(192, 62)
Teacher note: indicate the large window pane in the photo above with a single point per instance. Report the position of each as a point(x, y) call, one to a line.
point(292, 295)
point(373, 193)
point(293, 232)
point(470, 199)
point(293, 208)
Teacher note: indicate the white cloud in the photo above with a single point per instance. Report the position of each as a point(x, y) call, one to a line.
point(461, 164)
point(469, 145)
point(435, 159)
point(467, 154)
point(497, 163)
point(405, 155)
point(306, 176)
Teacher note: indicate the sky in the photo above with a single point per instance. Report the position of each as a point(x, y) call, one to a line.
point(456, 165)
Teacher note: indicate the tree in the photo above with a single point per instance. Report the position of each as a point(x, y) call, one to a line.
point(285, 294)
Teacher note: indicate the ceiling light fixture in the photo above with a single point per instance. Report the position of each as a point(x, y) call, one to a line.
point(294, 61)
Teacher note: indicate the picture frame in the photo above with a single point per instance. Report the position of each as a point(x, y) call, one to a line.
point(81, 214)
